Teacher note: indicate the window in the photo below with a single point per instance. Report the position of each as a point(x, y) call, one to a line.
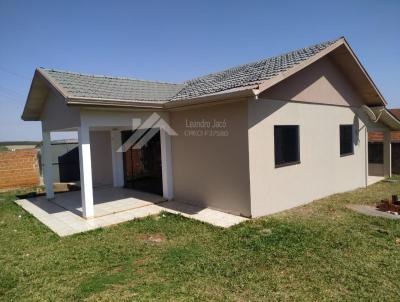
point(346, 140)
point(287, 145)
point(375, 153)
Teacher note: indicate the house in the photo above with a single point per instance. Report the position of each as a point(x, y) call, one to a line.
point(250, 140)
point(375, 149)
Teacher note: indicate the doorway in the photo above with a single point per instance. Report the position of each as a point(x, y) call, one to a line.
point(142, 167)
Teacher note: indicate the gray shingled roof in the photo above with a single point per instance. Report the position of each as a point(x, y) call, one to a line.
point(248, 74)
point(103, 87)
point(91, 86)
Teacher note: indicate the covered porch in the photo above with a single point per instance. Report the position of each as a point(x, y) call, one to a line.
point(380, 127)
point(102, 156)
point(379, 156)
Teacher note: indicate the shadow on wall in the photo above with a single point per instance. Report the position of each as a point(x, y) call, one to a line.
point(356, 129)
point(68, 166)
point(268, 109)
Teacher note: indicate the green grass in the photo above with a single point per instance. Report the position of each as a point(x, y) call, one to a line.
point(321, 251)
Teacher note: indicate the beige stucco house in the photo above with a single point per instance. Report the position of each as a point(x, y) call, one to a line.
point(251, 140)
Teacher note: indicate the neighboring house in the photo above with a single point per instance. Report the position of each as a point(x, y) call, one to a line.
point(251, 140)
point(375, 149)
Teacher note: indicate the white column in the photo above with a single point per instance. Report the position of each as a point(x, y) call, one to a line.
point(85, 164)
point(387, 154)
point(117, 161)
point(47, 164)
point(166, 161)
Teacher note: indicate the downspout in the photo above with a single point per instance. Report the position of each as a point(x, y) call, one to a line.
point(371, 114)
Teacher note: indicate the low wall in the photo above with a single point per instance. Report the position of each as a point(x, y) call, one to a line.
point(19, 168)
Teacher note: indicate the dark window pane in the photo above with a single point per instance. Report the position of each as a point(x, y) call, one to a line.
point(286, 139)
point(346, 139)
point(375, 153)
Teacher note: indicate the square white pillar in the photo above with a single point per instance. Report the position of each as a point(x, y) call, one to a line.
point(117, 160)
point(85, 164)
point(47, 164)
point(387, 154)
point(166, 162)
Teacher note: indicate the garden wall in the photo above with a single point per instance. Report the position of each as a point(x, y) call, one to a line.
point(19, 168)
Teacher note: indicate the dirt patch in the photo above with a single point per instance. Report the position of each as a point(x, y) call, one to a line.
point(141, 261)
point(266, 231)
point(157, 238)
point(117, 269)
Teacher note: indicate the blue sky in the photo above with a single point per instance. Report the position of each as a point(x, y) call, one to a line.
point(177, 40)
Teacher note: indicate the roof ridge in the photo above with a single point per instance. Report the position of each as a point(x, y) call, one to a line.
point(263, 60)
point(106, 77)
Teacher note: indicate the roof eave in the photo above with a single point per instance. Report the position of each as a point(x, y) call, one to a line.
point(102, 102)
point(250, 91)
point(37, 76)
point(347, 45)
point(25, 115)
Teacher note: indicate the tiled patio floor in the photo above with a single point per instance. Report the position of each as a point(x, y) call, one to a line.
point(112, 206)
point(108, 200)
point(374, 179)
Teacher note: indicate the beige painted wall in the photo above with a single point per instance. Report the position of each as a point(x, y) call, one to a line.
point(322, 170)
point(56, 115)
point(100, 149)
point(320, 82)
point(212, 171)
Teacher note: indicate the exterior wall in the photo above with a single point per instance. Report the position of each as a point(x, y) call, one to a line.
point(19, 168)
point(322, 170)
point(56, 115)
point(114, 118)
point(321, 82)
point(100, 150)
point(212, 171)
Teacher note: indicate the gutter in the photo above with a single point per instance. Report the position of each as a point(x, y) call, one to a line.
point(84, 101)
point(386, 117)
point(166, 105)
point(248, 92)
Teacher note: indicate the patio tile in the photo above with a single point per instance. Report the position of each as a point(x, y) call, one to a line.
point(63, 214)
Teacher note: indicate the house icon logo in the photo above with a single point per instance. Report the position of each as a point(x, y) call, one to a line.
point(143, 132)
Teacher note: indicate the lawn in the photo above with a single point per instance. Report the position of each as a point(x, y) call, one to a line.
point(321, 251)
